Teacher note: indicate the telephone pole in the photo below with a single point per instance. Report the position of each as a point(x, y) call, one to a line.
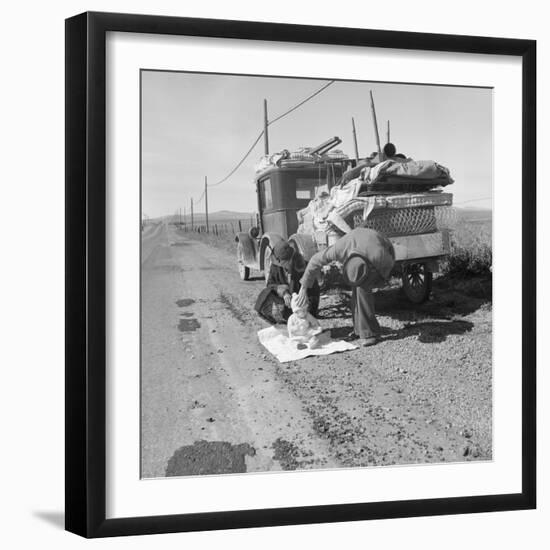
point(375, 124)
point(206, 200)
point(355, 139)
point(266, 139)
point(192, 222)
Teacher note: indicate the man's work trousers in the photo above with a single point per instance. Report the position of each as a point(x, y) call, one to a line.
point(365, 324)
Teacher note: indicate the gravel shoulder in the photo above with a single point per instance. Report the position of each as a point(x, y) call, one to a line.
point(423, 394)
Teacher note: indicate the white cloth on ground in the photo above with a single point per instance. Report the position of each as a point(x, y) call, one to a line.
point(277, 342)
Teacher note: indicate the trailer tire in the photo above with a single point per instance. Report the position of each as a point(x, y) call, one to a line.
point(417, 282)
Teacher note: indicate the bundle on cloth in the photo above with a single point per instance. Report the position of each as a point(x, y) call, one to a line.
point(271, 307)
point(277, 342)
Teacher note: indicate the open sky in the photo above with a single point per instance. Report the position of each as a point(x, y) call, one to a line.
point(196, 125)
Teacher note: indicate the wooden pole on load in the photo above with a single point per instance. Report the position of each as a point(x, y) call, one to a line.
point(266, 139)
point(388, 133)
point(376, 134)
point(355, 139)
point(206, 200)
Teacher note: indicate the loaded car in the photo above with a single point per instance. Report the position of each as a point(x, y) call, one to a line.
point(312, 197)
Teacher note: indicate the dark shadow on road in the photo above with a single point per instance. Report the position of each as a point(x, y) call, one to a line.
point(339, 333)
point(450, 297)
point(57, 519)
point(430, 332)
point(335, 311)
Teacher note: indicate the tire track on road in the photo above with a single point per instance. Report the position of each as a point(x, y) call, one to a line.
point(227, 389)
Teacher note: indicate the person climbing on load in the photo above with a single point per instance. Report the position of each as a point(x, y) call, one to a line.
point(388, 153)
point(367, 259)
point(287, 267)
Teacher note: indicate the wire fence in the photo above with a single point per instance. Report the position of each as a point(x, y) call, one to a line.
point(218, 228)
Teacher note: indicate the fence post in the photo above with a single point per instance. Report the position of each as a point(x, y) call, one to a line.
point(206, 200)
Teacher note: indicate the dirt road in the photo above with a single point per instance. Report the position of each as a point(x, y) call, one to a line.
point(214, 401)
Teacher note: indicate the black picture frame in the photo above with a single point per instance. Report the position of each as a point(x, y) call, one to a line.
point(86, 273)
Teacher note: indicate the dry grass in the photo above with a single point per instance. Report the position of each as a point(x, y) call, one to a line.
point(471, 249)
point(223, 241)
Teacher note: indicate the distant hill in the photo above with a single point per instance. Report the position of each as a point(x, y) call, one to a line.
point(473, 214)
point(469, 214)
point(220, 216)
point(229, 215)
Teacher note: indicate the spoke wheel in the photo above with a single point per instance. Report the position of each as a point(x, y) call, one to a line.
point(417, 282)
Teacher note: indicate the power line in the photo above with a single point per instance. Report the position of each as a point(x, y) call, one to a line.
point(240, 162)
point(297, 106)
point(301, 103)
point(200, 198)
point(251, 148)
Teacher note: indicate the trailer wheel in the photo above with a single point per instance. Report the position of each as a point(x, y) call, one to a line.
point(244, 271)
point(417, 282)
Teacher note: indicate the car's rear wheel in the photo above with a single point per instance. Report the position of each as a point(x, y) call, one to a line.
point(244, 271)
point(417, 282)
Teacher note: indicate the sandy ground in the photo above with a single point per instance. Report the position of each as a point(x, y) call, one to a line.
point(214, 401)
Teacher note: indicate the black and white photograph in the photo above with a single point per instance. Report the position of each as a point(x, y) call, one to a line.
point(315, 274)
point(274, 275)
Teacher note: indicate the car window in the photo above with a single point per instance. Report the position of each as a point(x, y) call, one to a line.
point(305, 188)
point(265, 194)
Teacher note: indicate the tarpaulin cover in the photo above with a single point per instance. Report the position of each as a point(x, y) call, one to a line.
point(413, 170)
